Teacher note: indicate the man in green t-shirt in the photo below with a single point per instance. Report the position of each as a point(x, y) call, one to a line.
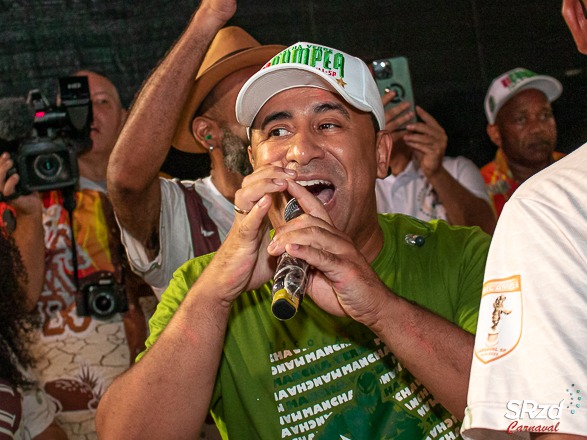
point(381, 345)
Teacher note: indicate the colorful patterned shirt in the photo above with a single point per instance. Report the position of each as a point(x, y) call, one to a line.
point(500, 180)
point(79, 356)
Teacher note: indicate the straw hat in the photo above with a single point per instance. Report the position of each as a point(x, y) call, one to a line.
point(231, 50)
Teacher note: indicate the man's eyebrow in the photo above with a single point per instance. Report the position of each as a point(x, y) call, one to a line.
point(276, 116)
point(103, 93)
point(332, 106)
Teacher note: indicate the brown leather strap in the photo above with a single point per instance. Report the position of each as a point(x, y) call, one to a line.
point(135, 324)
point(200, 223)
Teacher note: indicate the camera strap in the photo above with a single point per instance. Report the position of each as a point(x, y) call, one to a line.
point(69, 205)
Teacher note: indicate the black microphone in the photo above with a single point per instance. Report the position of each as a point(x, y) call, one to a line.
point(16, 121)
point(290, 277)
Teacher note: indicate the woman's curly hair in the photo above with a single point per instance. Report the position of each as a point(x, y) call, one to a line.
point(17, 323)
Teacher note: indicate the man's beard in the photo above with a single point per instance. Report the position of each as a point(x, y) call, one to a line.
point(236, 157)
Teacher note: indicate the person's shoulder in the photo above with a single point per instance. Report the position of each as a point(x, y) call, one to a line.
point(457, 160)
point(566, 175)
point(188, 272)
point(408, 225)
point(175, 182)
point(86, 184)
point(434, 240)
point(176, 189)
point(400, 222)
point(183, 278)
point(488, 168)
point(465, 171)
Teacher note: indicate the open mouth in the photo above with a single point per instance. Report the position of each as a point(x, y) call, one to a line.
point(322, 189)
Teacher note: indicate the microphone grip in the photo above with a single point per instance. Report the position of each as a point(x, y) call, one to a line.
point(291, 276)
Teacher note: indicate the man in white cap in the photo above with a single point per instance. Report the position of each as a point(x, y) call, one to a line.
point(166, 222)
point(522, 126)
point(388, 296)
point(529, 370)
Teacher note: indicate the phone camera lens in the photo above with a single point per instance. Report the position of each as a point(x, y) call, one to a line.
point(382, 69)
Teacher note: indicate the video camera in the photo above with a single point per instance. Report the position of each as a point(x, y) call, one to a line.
point(44, 147)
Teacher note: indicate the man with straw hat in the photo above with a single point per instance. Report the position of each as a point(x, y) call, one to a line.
point(167, 222)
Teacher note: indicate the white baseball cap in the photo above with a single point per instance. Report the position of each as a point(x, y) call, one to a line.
point(311, 65)
point(514, 81)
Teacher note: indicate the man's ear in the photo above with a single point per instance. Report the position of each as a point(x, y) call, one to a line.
point(384, 147)
point(206, 132)
point(494, 134)
point(575, 14)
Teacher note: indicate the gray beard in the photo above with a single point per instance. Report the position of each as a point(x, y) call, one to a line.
point(234, 150)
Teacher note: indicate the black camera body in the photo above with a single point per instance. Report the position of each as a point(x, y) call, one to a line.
point(46, 156)
point(101, 296)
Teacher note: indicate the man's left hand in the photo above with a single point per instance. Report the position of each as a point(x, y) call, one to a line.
point(341, 281)
point(428, 141)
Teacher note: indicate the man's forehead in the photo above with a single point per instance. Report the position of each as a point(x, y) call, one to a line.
point(312, 98)
point(102, 87)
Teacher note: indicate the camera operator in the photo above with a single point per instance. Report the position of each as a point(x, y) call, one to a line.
point(27, 233)
point(26, 410)
point(92, 325)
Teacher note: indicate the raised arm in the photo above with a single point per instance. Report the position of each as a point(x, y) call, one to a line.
point(166, 394)
point(428, 141)
point(145, 140)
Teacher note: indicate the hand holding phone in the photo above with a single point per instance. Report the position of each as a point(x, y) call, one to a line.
point(393, 74)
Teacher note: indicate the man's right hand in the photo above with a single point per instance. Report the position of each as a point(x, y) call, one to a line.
point(223, 9)
point(242, 263)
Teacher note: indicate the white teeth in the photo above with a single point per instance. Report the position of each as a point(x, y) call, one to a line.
point(313, 182)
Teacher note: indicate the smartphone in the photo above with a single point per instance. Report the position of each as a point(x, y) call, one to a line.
point(394, 74)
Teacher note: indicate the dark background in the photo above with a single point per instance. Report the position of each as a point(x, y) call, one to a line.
point(455, 49)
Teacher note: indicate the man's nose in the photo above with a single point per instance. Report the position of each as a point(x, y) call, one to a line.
point(304, 147)
point(539, 124)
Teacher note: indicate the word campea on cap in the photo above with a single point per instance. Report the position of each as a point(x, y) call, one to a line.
point(514, 81)
point(311, 65)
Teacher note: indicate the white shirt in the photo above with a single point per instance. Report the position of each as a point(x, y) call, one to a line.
point(410, 192)
point(175, 244)
point(530, 368)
